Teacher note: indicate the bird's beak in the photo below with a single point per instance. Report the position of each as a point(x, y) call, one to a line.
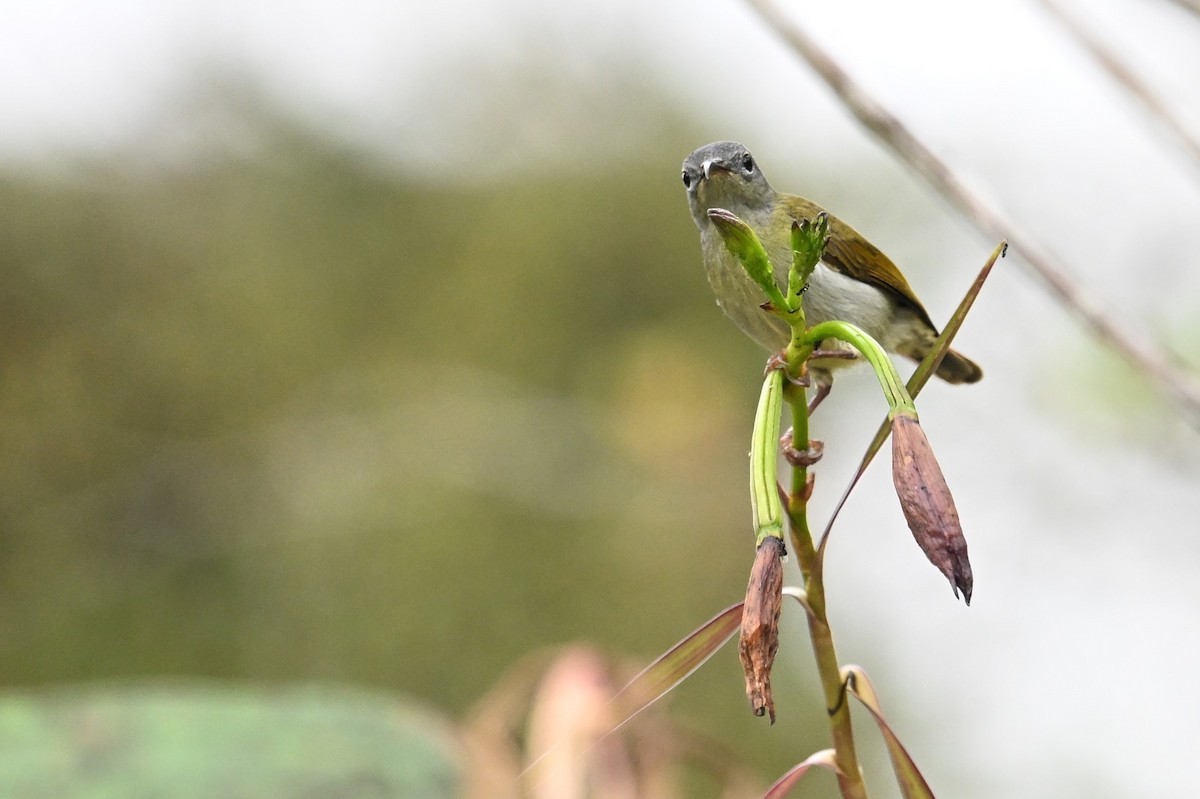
point(712, 164)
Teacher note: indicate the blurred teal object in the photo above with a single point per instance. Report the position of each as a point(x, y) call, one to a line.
point(178, 741)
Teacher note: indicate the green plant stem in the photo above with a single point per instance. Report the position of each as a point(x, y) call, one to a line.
point(897, 396)
point(797, 504)
point(808, 242)
point(850, 780)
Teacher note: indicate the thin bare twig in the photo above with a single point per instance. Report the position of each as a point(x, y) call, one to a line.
point(1123, 75)
point(1146, 355)
point(1189, 5)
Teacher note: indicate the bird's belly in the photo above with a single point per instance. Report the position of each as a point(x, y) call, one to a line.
point(740, 297)
point(833, 296)
point(830, 296)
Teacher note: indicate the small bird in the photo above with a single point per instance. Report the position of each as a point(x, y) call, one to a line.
point(854, 281)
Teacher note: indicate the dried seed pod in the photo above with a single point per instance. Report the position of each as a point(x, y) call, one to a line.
point(760, 625)
point(927, 503)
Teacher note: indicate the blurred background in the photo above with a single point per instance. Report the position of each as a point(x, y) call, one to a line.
point(368, 345)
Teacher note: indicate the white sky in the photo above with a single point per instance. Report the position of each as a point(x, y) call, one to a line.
point(1076, 669)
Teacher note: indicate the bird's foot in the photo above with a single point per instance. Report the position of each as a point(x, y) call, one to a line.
point(822, 392)
point(846, 355)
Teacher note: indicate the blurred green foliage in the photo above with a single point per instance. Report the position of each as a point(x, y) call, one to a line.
point(187, 741)
point(291, 413)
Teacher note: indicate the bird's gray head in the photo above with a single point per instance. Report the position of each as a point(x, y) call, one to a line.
point(724, 175)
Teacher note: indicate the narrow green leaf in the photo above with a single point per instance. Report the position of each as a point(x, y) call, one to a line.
point(676, 664)
point(784, 785)
point(742, 241)
point(933, 358)
point(908, 776)
point(919, 378)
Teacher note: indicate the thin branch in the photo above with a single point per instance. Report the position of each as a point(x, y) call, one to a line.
point(1123, 75)
point(1145, 355)
point(1189, 5)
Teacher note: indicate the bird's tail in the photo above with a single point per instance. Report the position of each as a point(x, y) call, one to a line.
point(956, 368)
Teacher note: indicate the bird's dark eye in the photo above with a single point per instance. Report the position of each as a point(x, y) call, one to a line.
point(747, 162)
point(687, 180)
